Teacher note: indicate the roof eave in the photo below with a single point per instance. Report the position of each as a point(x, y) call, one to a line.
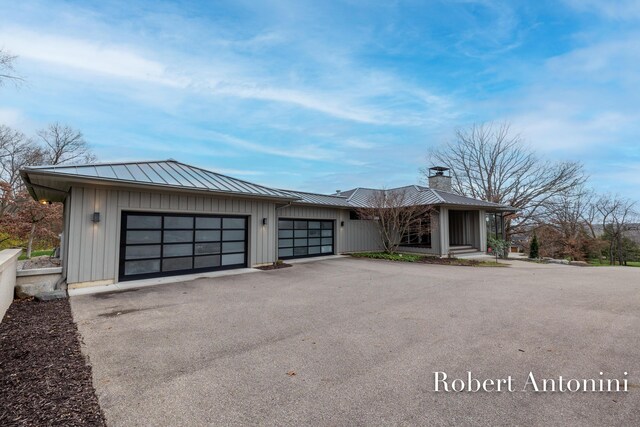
point(143, 185)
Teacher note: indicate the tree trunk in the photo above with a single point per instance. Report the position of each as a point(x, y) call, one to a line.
point(30, 243)
point(612, 259)
point(620, 251)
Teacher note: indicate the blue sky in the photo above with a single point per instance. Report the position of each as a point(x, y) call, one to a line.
point(326, 95)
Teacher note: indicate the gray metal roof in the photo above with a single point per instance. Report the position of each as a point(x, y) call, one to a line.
point(319, 199)
point(456, 199)
point(169, 173)
point(173, 174)
point(415, 194)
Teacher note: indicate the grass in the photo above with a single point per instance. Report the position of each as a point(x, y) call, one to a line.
point(388, 256)
point(426, 259)
point(47, 252)
point(605, 263)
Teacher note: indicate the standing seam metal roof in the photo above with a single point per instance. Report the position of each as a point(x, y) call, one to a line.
point(172, 173)
point(165, 173)
point(415, 194)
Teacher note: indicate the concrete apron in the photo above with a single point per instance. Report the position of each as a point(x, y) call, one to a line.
point(121, 286)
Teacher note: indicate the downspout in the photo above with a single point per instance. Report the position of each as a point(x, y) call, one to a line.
point(284, 206)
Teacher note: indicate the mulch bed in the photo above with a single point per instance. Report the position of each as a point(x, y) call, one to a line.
point(449, 261)
point(44, 261)
point(44, 377)
point(274, 266)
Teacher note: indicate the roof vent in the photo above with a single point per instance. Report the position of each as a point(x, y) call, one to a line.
point(440, 178)
point(338, 192)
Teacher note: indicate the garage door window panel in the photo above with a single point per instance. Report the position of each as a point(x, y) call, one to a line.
point(142, 267)
point(143, 251)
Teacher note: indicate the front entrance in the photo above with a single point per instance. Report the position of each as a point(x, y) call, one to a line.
point(457, 228)
point(157, 244)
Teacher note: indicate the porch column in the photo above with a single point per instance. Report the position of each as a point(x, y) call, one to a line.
point(444, 231)
point(482, 226)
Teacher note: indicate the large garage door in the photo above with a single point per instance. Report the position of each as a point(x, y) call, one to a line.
point(299, 238)
point(154, 244)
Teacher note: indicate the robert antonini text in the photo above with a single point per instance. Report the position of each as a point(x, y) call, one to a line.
point(559, 384)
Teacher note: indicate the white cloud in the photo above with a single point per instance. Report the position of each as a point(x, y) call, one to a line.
point(609, 60)
point(306, 99)
point(11, 117)
point(358, 143)
point(613, 9)
point(305, 152)
point(348, 93)
point(93, 57)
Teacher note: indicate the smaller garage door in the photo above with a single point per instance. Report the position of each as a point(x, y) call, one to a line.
point(298, 238)
point(155, 244)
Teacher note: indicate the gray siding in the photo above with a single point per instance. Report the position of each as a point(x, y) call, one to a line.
point(93, 249)
point(359, 236)
point(309, 212)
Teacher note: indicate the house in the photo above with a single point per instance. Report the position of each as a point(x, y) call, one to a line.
point(125, 221)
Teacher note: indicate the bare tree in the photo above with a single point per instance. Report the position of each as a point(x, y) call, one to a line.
point(63, 144)
point(567, 225)
point(7, 71)
point(22, 218)
point(16, 152)
point(490, 162)
point(618, 216)
point(396, 213)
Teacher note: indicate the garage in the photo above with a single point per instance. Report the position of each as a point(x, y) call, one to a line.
point(300, 238)
point(159, 244)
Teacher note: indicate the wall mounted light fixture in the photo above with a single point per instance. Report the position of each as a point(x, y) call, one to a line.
point(95, 217)
point(341, 223)
point(264, 221)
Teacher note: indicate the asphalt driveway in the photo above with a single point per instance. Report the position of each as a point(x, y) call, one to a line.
point(357, 342)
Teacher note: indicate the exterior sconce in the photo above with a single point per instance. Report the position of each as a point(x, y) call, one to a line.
point(341, 223)
point(43, 202)
point(95, 217)
point(264, 221)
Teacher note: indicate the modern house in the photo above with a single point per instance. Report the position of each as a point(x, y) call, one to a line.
point(125, 221)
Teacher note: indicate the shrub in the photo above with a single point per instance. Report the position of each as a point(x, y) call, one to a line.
point(533, 248)
point(389, 256)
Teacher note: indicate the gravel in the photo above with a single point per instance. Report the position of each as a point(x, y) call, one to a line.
point(44, 377)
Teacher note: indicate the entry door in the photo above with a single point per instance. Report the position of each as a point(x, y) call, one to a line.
point(158, 244)
point(457, 228)
point(299, 238)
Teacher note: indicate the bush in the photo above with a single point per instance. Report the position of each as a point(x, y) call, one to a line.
point(389, 256)
point(498, 246)
point(533, 248)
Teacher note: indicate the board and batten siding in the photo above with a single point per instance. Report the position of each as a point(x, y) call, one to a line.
point(93, 248)
point(354, 236)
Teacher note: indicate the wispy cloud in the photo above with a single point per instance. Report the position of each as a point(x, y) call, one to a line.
point(306, 152)
point(93, 57)
point(615, 9)
point(125, 62)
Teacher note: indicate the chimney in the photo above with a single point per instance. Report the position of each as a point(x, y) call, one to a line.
point(440, 178)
